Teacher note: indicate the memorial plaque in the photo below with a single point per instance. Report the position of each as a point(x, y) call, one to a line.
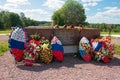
point(67, 36)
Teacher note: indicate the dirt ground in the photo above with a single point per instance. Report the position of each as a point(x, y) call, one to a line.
point(71, 68)
point(4, 37)
point(115, 41)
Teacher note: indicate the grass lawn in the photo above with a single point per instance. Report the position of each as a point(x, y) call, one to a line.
point(3, 47)
point(111, 33)
point(5, 31)
point(117, 49)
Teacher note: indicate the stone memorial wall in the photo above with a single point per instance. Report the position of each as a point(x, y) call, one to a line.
point(69, 37)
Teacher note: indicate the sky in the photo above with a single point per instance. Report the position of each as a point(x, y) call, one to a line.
point(96, 11)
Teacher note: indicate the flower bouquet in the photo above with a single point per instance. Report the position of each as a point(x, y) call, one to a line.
point(32, 51)
point(103, 49)
point(46, 55)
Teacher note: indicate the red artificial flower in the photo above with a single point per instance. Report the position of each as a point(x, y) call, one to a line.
point(106, 59)
point(37, 43)
point(32, 41)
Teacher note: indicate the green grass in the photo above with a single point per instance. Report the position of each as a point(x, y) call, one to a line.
point(117, 49)
point(111, 33)
point(5, 31)
point(3, 47)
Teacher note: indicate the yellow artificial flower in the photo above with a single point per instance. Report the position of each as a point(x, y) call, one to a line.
point(45, 46)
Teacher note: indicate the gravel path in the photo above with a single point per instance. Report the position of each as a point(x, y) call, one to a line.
point(4, 37)
point(116, 41)
point(70, 69)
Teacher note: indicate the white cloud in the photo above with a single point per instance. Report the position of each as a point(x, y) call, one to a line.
point(54, 4)
point(110, 8)
point(20, 2)
point(111, 15)
point(41, 17)
point(14, 6)
point(30, 11)
point(10, 6)
point(36, 14)
point(35, 11)
point(85, 1)
point(90, 4)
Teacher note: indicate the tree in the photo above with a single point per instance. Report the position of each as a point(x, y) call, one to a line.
point(58, 17)
point(1, 24)
point(27, 21)
point(14, 19)
point(9, 19)
point(23, 19)
point(72, 12)
point(4, 19)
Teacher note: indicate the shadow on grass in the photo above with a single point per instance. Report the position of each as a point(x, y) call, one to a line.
point(69, 61)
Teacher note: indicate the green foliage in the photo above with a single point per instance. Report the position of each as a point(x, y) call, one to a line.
point(27, 21)
point(44, 23)
point(111, 33)
point(3, 47)
point(117, 49)
point(104, 27)
point(10, 19)
point(4, 19)
point(36, 36)
point(14, 19)
point(72, 12)
point(58, 17)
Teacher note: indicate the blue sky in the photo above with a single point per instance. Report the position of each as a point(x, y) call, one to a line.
point(97, 11)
